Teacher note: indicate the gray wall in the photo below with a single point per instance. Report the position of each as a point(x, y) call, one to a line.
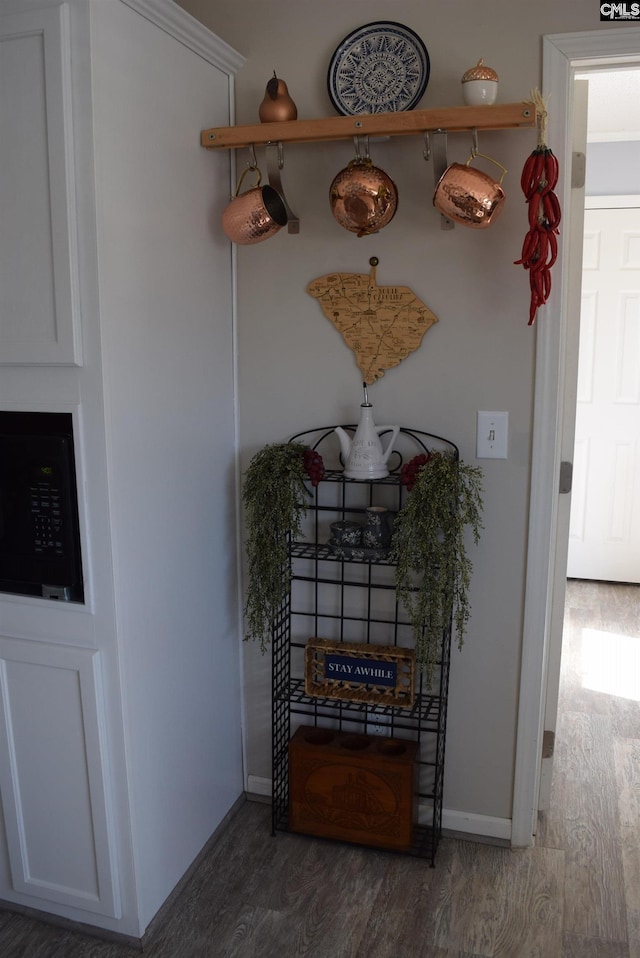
point(295, 371)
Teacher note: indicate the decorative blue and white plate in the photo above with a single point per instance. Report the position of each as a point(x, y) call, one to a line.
point(379, 68)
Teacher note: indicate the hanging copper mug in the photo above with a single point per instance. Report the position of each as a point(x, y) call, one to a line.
point(468, 195)
point(255, 215)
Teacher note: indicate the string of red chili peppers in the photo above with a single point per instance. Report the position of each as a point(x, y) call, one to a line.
point(540, 247)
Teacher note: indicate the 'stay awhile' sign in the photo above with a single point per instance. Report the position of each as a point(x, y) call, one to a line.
point(375, 674)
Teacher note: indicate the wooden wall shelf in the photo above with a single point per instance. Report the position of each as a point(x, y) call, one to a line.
point(455, 119)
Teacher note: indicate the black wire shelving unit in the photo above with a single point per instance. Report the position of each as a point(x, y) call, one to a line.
point(354, 600)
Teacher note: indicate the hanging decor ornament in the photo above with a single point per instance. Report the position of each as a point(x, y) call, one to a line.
point(538, 181)
point(381, 324)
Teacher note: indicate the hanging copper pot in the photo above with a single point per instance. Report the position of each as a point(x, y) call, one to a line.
point(468, 195)
point(363, 198)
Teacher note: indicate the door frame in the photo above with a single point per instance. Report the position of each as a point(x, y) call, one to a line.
point(562, 55)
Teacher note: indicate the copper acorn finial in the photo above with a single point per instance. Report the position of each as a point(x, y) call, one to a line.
point(480, 72)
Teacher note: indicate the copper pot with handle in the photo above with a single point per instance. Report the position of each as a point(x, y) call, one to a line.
point(468, 195)
point(363, 197)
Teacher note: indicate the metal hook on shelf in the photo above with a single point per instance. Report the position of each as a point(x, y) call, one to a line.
point(275, 163)
point(361, 144)
point(253, 163)
point(427, 145)
point(475, 149)
point(440, 164)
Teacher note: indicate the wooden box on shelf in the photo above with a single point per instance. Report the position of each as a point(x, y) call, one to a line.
point(352, 787)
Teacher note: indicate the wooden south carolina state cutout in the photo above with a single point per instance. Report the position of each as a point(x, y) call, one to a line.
point(381, 324)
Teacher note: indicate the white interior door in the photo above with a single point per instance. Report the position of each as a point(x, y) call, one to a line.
point(604, 536)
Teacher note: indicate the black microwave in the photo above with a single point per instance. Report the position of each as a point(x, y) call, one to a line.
point(39, 527)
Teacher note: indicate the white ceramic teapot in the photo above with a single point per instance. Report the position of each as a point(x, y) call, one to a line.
point(364, 457)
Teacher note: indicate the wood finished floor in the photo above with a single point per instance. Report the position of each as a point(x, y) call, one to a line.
point(576, 894)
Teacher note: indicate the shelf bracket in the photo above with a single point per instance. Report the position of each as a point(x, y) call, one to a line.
point(275, 163)
point(361, 146)
point(440, 163)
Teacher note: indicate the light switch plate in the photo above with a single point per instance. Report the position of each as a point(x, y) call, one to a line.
point(492, 435)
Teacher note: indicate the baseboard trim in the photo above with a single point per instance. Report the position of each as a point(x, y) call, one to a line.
point(68, 924)
point(485, 827)
point(258, 786)
point(454, 823)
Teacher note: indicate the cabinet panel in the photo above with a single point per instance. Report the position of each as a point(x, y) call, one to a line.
point(52, 777)
point(38, 276)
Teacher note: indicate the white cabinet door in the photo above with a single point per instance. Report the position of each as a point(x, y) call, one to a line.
point(604, 538)
point(53, 778)
point(39, 321)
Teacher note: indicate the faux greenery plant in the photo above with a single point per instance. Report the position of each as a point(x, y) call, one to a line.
point(433, 570)
point(274, 497)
